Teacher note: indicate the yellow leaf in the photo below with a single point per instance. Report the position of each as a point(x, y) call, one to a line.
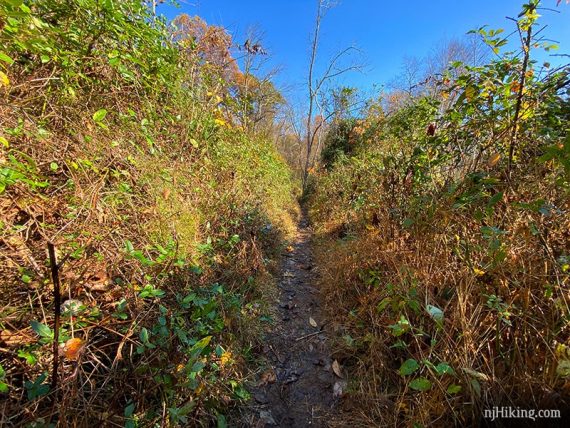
point(72, 348)
point(199, 389)
point(478, 272)
point(4, 81)
point(494, 159)
point(225, 358)
point(470, 93)
point(220, 122)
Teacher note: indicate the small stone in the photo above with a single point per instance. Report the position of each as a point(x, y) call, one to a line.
point(261, 398)
point(266, 417)
point(338, 389)
point(291, 379)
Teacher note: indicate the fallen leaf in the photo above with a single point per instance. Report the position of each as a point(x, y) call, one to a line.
point(475, 374)
point(313, 322)
point(15, 339)
point(494, 159)
point(267, 377)
point(336, 368)
point(72, 348)
point(98, 281)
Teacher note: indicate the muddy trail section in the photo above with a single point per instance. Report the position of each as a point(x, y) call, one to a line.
point(299, 388)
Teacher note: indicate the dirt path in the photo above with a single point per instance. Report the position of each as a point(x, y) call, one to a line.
point(298, 388)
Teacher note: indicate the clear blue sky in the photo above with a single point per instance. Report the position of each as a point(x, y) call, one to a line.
point(386, 31)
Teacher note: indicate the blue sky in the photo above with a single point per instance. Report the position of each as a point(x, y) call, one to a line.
point(385, 31)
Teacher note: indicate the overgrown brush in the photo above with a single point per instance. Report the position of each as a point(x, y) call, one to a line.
point(119, 147)
point(444, 246)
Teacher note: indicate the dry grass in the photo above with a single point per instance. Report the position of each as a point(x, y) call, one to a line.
point(508, 359)
point(109, 188)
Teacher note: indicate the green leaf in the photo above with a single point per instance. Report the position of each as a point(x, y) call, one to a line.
point(401, 327)
point(222, 423)
point(53, 166)
point(129, 246)
point(37, 388)
point(443, 368)
point(563, 368)
point(199, 347)
point(41, 329)
point(197, 367)
point(219, 351)
point(25, 8)
point(453, 389)
point(383, 304)
point(414, 305)
point(144, 335)
point(28, 356)
point(495, 199)
point(4, 57)
point(435, 313)
point(99, 115)
point(4, 142)
point(129, 410)
point(409, 367)
point(420, 384)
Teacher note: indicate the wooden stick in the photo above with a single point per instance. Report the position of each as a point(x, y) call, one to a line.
point(308, 335)
point(57, 312)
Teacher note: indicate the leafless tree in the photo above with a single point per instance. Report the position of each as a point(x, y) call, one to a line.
point(259, 98)
point(315, 84)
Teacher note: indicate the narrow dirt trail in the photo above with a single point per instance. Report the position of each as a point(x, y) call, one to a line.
point(297, 390)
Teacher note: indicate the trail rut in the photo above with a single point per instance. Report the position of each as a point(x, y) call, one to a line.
point(298, 388)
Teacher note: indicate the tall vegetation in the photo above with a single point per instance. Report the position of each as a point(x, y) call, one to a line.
point(443, 240)
point(127, 145)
